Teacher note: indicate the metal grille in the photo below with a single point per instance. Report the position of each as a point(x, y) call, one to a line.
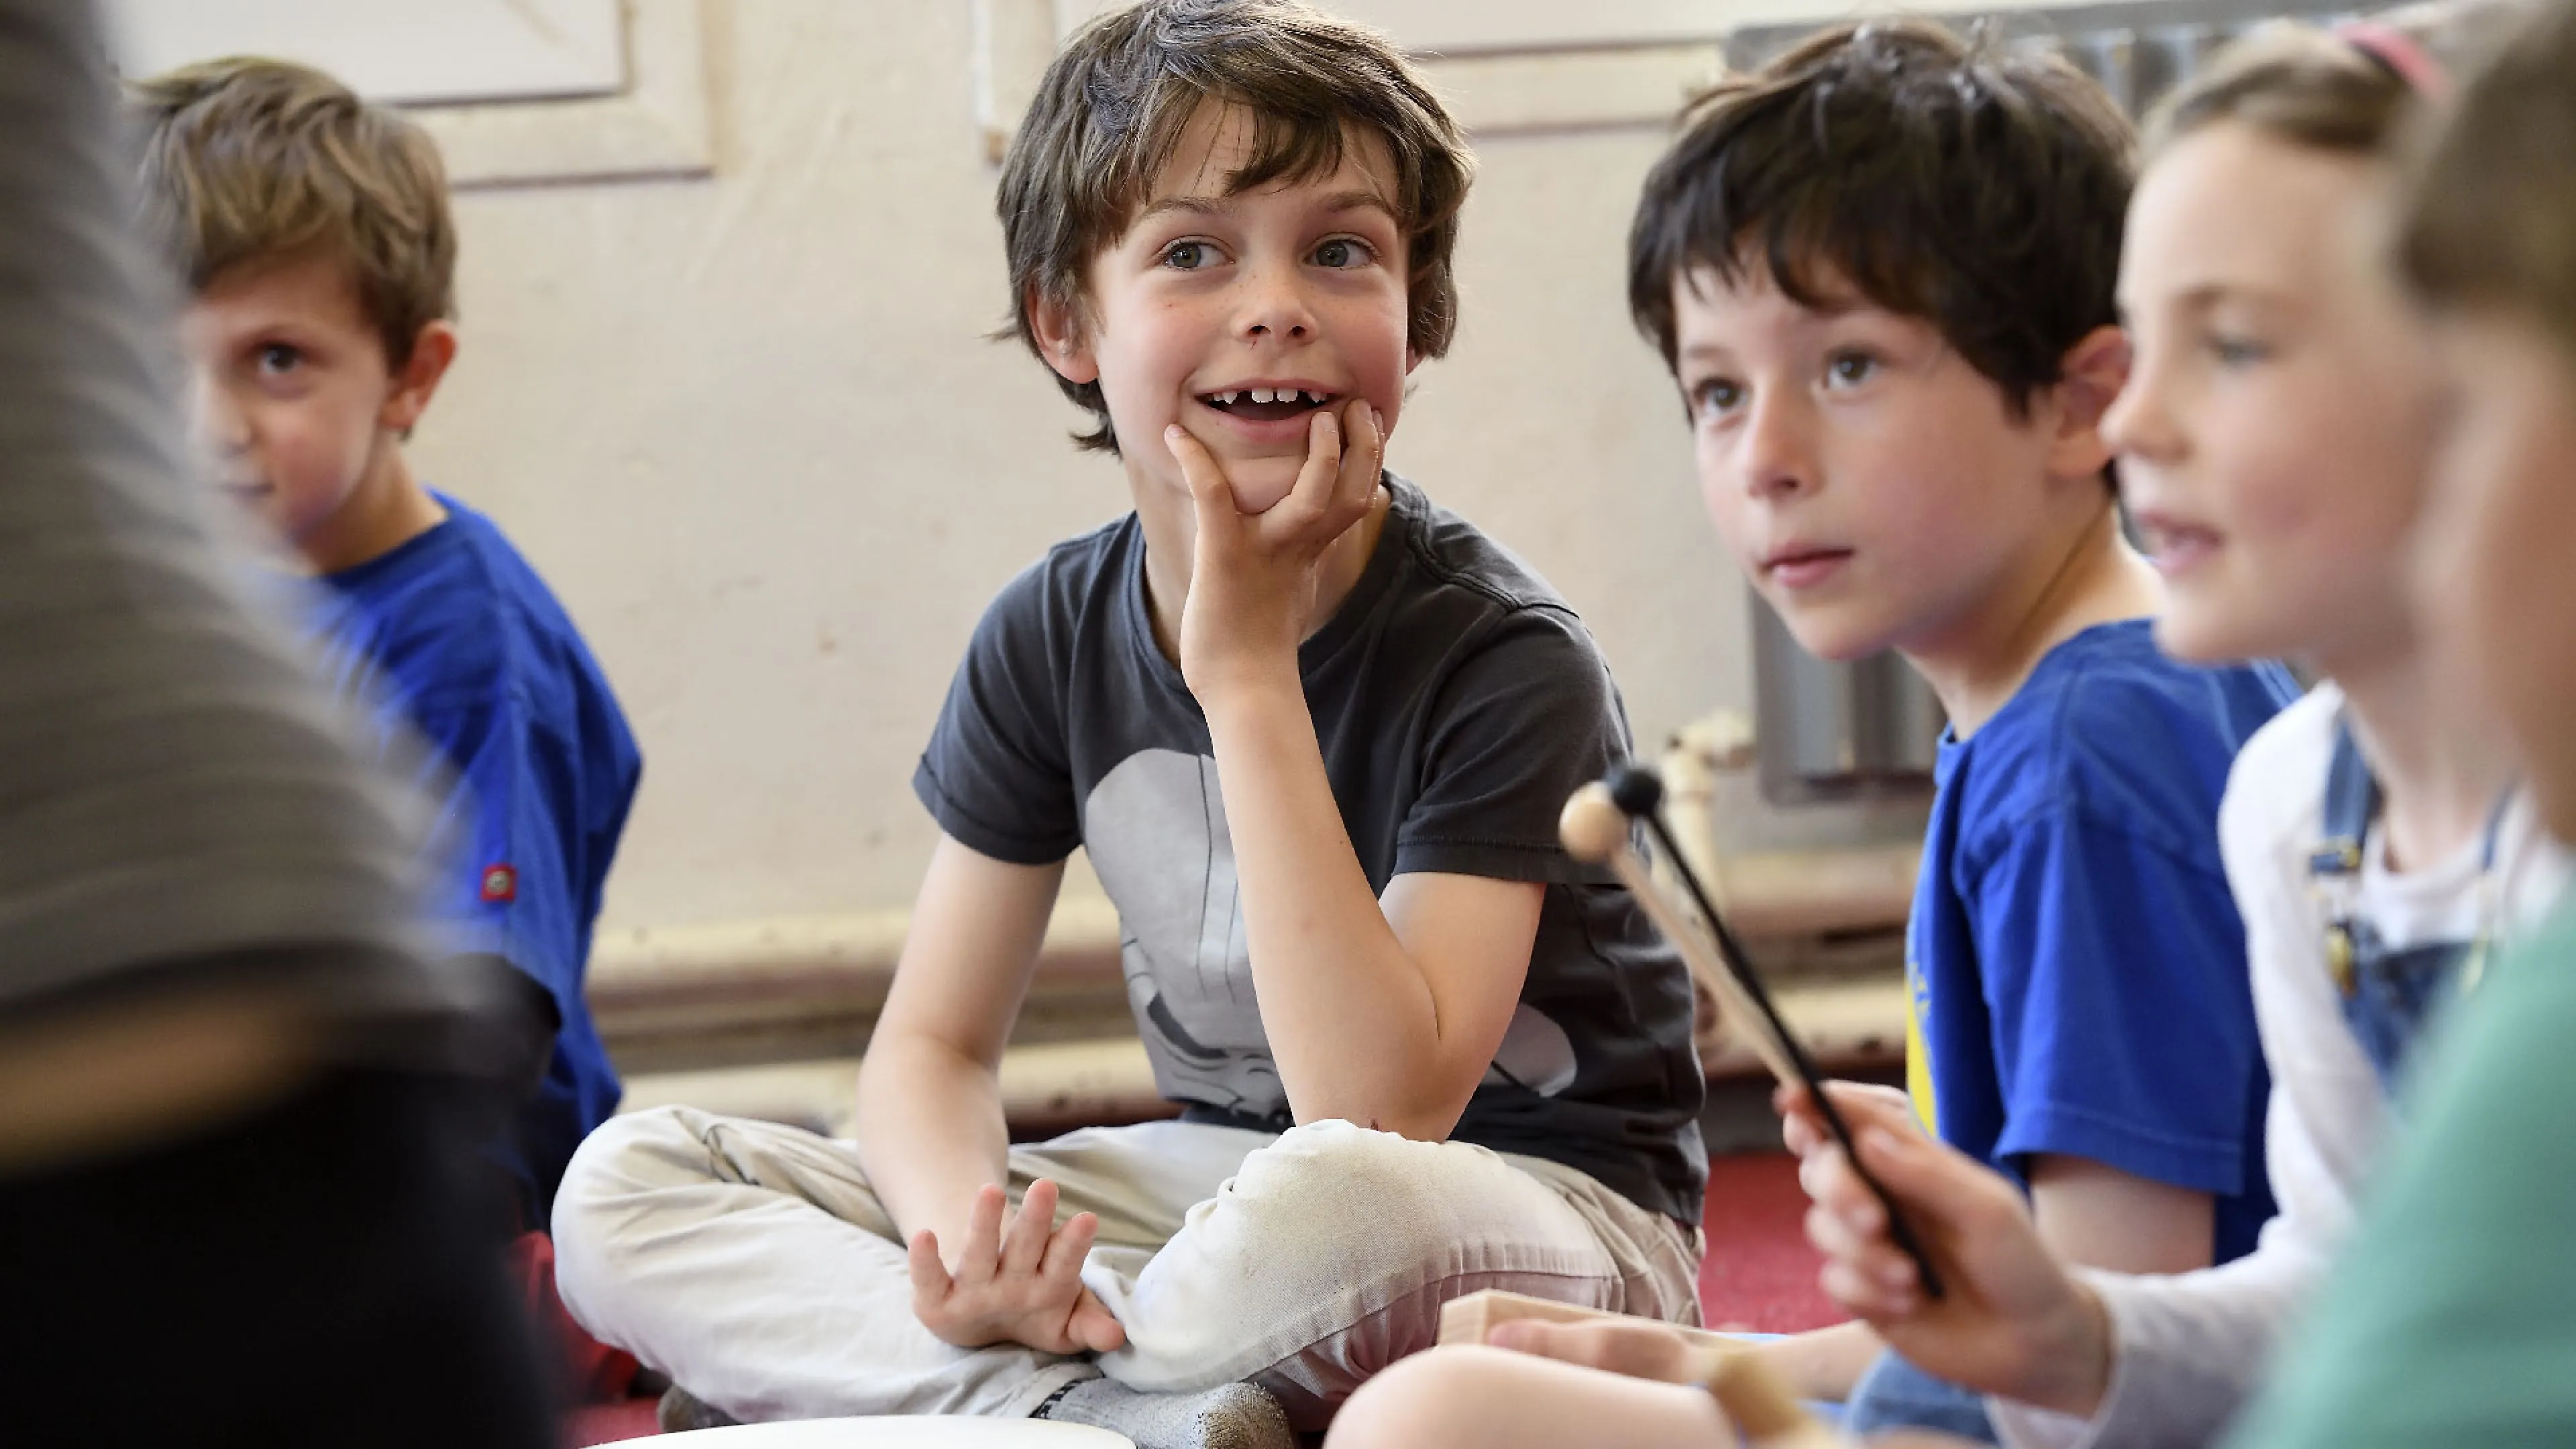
point(2137, 51)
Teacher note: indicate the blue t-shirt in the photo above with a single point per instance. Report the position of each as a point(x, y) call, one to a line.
point(2076, 964)
point(452, 640)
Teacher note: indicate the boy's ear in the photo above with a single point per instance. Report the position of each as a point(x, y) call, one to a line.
point(1061, 340)
point(2095, 370)
point(416, 381)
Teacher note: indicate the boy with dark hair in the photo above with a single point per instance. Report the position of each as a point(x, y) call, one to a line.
point(1882, 270)
point(313, 233)
point(1314, 733)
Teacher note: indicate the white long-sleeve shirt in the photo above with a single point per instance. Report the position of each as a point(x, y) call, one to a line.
point(2188, 1349)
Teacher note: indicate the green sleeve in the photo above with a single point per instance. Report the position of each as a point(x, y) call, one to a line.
point(2452, 1320)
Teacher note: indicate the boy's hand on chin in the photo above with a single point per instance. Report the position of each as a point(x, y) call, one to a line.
point(1253, 576)
point(1021, 1287)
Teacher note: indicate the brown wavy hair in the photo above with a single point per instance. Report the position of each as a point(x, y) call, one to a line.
point(1114, 104)
point(249, 161)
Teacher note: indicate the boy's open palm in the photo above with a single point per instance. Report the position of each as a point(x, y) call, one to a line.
point(1023, 1286)
point(2013, 1321)
point(1253, 576)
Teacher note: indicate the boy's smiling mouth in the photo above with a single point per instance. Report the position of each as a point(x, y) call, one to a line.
point(1267, 402)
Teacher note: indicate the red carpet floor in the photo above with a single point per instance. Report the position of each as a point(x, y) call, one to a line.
point(608, 1423)
point(1760, 1275)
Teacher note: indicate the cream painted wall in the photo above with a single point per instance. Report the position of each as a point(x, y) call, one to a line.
point(749, 428)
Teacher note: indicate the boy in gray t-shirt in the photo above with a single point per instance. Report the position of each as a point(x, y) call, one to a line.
point(1457, 701)
point(1314, 734)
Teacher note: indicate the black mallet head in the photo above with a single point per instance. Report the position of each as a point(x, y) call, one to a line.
point(1637, 789)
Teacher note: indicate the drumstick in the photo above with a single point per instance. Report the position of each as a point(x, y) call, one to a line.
point(1595, 831)
point(1759, 1401)
point(1595, 828)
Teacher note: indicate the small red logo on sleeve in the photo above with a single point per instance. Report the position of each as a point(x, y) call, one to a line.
point(500, 883)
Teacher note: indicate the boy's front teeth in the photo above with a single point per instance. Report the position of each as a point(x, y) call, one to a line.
point(1265, 404)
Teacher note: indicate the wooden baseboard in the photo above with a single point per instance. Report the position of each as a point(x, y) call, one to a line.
point(1052, 1086)
point(809, 988)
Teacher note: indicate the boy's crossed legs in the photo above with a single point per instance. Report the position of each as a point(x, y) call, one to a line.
point(753, 1263)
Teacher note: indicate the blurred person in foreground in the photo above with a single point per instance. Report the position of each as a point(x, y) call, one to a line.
point(2454, 1320)
point(233, 1203)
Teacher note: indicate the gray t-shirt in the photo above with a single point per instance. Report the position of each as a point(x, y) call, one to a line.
point(1458, 702)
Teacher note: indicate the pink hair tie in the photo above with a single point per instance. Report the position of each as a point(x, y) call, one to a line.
point(2396, 52)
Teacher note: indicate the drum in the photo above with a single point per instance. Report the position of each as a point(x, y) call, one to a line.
point(913, 1432)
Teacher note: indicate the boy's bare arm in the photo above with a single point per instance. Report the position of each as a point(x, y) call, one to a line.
point(2101, 1217)
point(930, 1127)
point(1385, 1013)
point(930, 1118)
point(1381, 1013)
point(2086, 1212)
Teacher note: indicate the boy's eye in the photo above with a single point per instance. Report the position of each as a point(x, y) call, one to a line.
point(1188, 256)
point(1716, 395)
point(1342, 251)
point(1849, 369)
point(2233, 351)
point(277, 357)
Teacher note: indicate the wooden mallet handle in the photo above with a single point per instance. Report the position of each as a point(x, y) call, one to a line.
point(1595, 826)
point(1595, 831)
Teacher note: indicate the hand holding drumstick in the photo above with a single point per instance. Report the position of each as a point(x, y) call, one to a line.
point(1595, 826)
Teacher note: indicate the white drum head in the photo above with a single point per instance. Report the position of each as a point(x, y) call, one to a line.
point(911, 1432)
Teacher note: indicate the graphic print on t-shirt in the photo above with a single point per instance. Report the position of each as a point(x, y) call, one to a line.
point(1157, 836)
point(1918, 1044)
point(1155, 827)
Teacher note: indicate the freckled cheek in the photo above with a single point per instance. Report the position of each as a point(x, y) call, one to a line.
point(1135, 381)
point(1384, 388)
point(1372, 351)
